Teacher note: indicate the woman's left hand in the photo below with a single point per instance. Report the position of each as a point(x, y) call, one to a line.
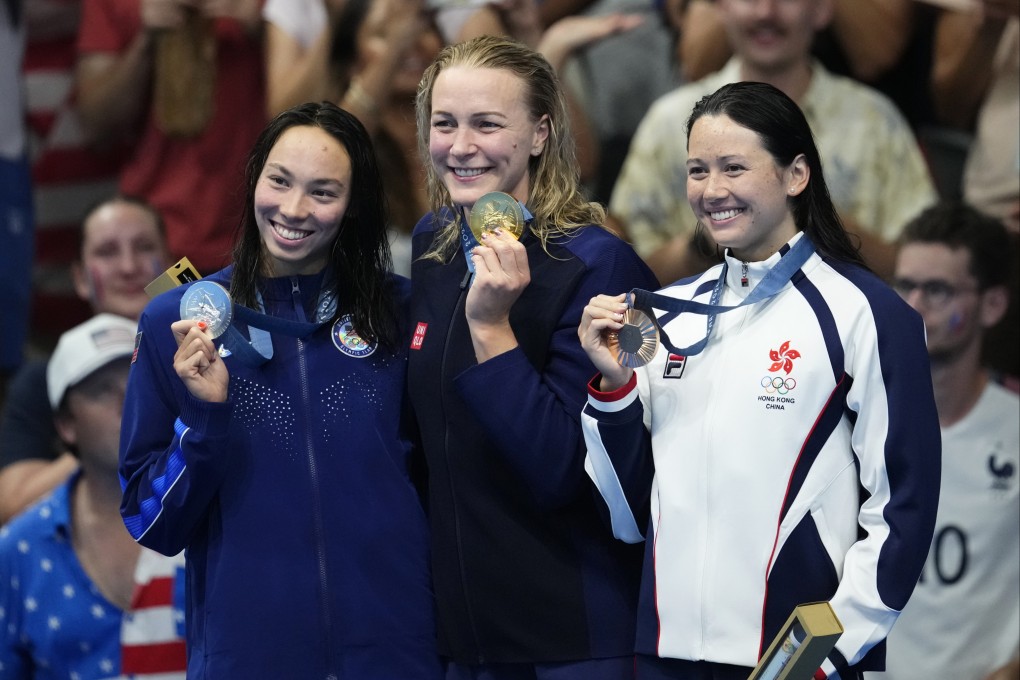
point(501, 275)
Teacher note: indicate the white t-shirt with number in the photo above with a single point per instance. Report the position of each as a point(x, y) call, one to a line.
point(963, 620)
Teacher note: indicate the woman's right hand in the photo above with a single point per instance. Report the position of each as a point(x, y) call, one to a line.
point(197, 362)
point(603, 315)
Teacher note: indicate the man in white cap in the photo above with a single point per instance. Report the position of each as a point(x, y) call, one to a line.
point(67, 563)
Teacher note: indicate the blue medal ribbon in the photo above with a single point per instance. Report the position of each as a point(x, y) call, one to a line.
point(773, 282)
point(257, 351)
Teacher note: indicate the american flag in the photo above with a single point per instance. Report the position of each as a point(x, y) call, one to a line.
point(152, 632)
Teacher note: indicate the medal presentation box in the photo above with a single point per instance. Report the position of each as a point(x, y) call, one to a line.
point(182, 272)
point(802, 644)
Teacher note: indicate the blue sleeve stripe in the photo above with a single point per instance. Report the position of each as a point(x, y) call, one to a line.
point(152, 507)
point(826, 323)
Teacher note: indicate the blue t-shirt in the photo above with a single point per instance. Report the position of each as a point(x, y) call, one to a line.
point(54, 622)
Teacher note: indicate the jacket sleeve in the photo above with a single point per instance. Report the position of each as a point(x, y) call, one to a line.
point(619, 456)
point(897, 444)
point(537, 424)
point(174, 448)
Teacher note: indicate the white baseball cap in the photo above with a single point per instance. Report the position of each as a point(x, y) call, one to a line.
point(85, 349)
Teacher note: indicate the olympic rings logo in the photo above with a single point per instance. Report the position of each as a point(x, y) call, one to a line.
point(775, 384)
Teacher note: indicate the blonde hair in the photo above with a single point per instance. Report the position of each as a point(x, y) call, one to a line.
point(554, 195)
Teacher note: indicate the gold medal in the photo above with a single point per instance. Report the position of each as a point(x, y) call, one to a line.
point(496, 210)
point(636, 343)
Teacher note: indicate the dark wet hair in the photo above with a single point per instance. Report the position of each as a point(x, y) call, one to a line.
point(955, 224)
point(785, 134)
point(360, 255)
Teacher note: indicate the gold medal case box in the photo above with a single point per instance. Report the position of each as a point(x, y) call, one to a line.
point(801, 645)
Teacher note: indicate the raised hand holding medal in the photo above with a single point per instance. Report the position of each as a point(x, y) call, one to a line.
point(197, 361)
point(499, 268)
point(636, 343)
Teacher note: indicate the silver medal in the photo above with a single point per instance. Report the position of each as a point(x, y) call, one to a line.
point(210, 303)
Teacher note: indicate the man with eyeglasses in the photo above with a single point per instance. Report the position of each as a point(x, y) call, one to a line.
point(963, 620)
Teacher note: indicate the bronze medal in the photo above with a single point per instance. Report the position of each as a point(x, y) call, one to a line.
point(636, 343)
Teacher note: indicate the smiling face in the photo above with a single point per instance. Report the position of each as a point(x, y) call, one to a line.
point(482, 136)
point(122, 251)
point(300, 198)
point(737, 191)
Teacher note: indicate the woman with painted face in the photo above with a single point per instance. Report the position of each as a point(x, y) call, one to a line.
point(784, 432)
point(527, 584)
point(276, 452)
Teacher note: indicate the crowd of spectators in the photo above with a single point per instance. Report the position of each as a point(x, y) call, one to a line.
point(139, 114)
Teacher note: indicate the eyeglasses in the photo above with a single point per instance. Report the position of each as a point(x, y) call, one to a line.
point(935, 292)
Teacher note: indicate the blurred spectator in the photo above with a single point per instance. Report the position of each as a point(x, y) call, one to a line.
point(15, 194)
point(559, 36)
point(976, 85)
point(67, 176)
point(298, 39)
point(615, 79)
point(963, 619)
point(375, 54)
point(121, 249)
point(884, 43)
point(380, 50)
point(873, 166)
point(68, 563)
point(182, 82)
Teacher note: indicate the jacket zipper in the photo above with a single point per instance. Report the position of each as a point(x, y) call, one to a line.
point(313, 471)
point(480, 658)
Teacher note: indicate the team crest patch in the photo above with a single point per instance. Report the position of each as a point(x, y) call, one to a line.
point(1002, 470)
point(778, 383)
point(348, 341)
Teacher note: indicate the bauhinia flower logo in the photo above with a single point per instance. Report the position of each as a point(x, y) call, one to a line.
point(782, 359)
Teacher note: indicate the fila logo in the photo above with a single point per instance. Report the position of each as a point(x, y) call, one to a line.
point(674, 366)
point(419, 335)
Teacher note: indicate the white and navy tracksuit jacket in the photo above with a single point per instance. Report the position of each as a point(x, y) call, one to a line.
point(796, 459)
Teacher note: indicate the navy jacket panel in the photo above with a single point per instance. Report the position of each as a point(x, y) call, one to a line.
point(524, 568)
point(307, 544)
